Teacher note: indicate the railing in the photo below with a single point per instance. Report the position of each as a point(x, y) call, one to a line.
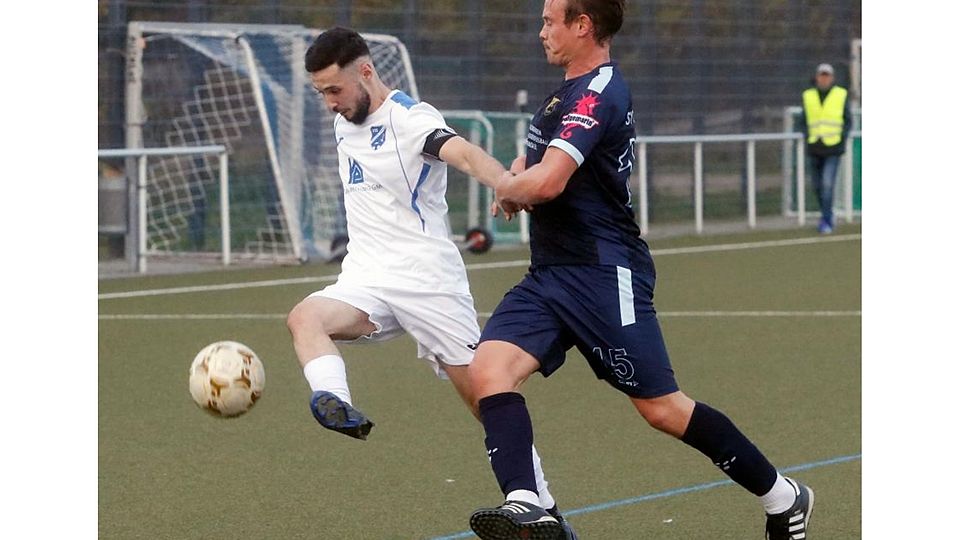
point(793, 152)
point(138, 197)
point(751, 172)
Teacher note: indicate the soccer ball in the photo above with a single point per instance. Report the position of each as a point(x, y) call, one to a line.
point(226, 378)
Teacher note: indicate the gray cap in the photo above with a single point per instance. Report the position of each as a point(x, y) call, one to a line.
point(825, 68)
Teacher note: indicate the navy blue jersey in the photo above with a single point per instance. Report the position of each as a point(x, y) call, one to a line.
point(590, 118)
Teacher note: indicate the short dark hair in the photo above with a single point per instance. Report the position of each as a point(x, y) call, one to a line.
point(337, 45)
point(607, 16)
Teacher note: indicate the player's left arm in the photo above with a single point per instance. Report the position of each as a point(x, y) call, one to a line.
point(472, 160)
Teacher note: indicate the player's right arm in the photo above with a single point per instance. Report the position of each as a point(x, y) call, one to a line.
point(541, 183)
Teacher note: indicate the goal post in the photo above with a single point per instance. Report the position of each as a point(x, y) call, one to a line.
point(243, 87)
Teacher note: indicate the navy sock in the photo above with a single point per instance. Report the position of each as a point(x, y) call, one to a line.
point(713, 434)
point(506, 422)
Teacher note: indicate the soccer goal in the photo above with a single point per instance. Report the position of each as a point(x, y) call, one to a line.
point(243, 87)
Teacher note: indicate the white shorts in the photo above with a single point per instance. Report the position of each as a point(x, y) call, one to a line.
point(444, 325)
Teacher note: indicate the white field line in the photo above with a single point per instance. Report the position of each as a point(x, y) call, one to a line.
point(476, 266)
point(759, 313)
point(757, 245)
point(483, 315)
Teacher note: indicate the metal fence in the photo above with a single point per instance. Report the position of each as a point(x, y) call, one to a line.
point(793, 190)
point(137, 217)
point(694, 66)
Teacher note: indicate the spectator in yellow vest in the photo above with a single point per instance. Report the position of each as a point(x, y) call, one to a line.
point(827, 121)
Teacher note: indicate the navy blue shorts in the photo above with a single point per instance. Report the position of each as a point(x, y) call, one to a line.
point(605, 311)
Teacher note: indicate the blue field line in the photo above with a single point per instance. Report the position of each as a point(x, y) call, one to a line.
point(673, 492)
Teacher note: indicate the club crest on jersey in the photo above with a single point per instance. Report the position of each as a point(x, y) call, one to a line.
point(356, 172)
point(554, 101)
point(581, 115)
point(378, 136)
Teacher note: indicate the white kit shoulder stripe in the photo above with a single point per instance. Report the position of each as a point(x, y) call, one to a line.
point(601, 80)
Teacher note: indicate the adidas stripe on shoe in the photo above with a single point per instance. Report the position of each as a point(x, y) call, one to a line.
point(516, 520)
point(794, 523)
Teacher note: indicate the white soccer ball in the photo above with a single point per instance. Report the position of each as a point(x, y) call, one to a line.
point(226, 378)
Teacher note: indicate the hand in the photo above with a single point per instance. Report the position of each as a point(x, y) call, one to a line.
point(509, 207)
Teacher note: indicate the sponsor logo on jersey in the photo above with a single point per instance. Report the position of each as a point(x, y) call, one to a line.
point(581, 116)
point(378, 136)
point(362, 188)
point(554, 101)
point(473, 346)
point(356, 172)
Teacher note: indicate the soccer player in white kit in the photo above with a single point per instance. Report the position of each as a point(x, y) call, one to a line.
point(401, 273)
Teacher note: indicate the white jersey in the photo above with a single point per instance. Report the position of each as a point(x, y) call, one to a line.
point(395, 203)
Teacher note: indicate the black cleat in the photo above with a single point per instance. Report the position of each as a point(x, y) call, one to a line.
point(338, 415)
point(568, 532)
point(792, 524)
point(515, 520)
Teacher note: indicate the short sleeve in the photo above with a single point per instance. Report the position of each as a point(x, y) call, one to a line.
point(588, 113)
point(422, 123)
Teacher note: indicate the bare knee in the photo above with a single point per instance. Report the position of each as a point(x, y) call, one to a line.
point(499, 367)
point(669, 414)
point(659, 418)
point(305, 318)
point(482, 375)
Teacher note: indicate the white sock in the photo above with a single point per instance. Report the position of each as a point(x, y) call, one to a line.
point(524, 495)
point(780, 497)
point(328, 373)
point(546, 500)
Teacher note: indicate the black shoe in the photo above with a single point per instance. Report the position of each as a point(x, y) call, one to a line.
point(792, 524)
point(515, 520)
point(567, 528)
point(338, 415)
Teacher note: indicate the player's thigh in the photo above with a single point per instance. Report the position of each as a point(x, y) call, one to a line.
point(523, 335)
point(345, 313)
point(609, 311)
point(444, 325)
point(334, 318)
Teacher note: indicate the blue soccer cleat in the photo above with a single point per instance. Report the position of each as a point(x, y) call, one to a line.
point(338, 415)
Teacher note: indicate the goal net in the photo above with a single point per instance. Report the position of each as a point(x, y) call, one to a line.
point(244, 87)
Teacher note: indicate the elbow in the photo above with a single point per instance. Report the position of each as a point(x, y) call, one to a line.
point(547, 191)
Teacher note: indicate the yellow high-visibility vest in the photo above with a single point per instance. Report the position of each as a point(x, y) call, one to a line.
point(824, 120)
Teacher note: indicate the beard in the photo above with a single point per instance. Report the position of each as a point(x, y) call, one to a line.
point(362, 109)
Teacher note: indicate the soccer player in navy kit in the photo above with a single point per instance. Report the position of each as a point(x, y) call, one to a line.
point(590, 285)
